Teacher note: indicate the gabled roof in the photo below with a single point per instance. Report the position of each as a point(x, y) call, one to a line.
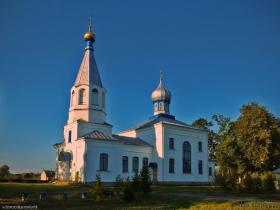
point(166, 119)
point(88, 72)
point(98, 135)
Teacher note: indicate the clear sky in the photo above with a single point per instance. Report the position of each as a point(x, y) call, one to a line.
point(216, 56)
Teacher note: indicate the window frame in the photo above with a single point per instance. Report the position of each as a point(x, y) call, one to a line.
point(124, 164)
point(200, 167)
point(135, 164)
point(200, 146)
point(70, 136)
point(103, 162)
point(171, 166)
point(187, 160)
point(82, 94)
point(171, 144)
point(145, 159)
point(95, 95)
point(210, 171)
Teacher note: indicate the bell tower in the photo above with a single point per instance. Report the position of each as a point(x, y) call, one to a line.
point(87, 111)
point(87, 101)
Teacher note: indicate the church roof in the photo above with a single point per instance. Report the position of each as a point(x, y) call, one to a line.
point(98, 135)
point(88, 72)
point(166, 119)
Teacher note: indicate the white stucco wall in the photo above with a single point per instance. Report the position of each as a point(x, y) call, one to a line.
point(158, 135)
point(115, 152)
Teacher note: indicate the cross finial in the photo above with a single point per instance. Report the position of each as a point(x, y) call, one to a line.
point(161, 75)
point(90, 24)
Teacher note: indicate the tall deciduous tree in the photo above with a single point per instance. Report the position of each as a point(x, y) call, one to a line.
point(4, 171)
point(258, 137)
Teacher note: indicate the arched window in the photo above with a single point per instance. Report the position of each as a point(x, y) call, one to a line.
point(103, 163)
point(167, 107)
point(161, 106)
point(187, 157)
point(135, 164)
point(95, 97)
point(81, 96)
point(145, 162)
point(155, 107)
point(72, 98)
point(69, 136)
point(124, 164)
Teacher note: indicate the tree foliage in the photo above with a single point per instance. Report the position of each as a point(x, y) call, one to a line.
point(4, 171)
point(244, 148)
point(257, 138)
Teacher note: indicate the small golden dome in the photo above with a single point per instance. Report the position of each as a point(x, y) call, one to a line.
point(89, 36)
point(161, 93)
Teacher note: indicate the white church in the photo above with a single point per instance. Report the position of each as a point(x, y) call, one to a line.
point(173, 150)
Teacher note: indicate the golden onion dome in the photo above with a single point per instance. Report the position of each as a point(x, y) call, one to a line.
point(89, 36)
point(161, 93)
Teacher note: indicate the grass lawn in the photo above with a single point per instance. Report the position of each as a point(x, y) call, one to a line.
point(162, 197)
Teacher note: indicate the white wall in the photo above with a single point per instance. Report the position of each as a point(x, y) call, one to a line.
point(115, 152)
point(180, 135)
point(158, 135)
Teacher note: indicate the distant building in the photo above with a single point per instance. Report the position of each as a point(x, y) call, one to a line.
point(47, 175)
point(173, 150)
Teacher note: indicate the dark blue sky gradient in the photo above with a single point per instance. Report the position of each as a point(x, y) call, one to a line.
point(216, 56)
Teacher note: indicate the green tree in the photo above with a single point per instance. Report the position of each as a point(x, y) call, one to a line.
point(98, 189)
point(4, 171)
point(257, 134)
point(145, 180)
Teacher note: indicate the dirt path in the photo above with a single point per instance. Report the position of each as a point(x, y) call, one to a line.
point(220, 197)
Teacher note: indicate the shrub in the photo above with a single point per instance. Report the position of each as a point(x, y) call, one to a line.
point(98, 189)
point(128, 191)
point(77, 177)
point(226, 180)
point(118, 186)
point(251, 183)
point(268, 182)
point(145, 180)
point(136, 184)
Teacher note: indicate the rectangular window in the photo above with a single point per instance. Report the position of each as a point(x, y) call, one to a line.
point(103, 163)
point(200, 167)
point(124, 164)
point(145, 162)
point(200, 146)
point(210, 171)
point(171, 165)
point(187, 158)
point(171, 143)
point(135, 164)
point(69, 136)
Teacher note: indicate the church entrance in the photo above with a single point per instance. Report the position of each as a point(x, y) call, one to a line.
point(64, 165)
point(154, 171)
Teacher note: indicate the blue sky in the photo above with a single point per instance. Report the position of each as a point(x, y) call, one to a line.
point(216, 56)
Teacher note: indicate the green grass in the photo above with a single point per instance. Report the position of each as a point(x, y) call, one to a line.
point(163, 197)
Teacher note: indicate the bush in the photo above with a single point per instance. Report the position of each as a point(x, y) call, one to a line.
point(118, 186)
point(145, 180)
point(98, 189)
point(247, 183)
point(136, 184)
point(226, 180)
point(128, 191)
point(268, 182)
